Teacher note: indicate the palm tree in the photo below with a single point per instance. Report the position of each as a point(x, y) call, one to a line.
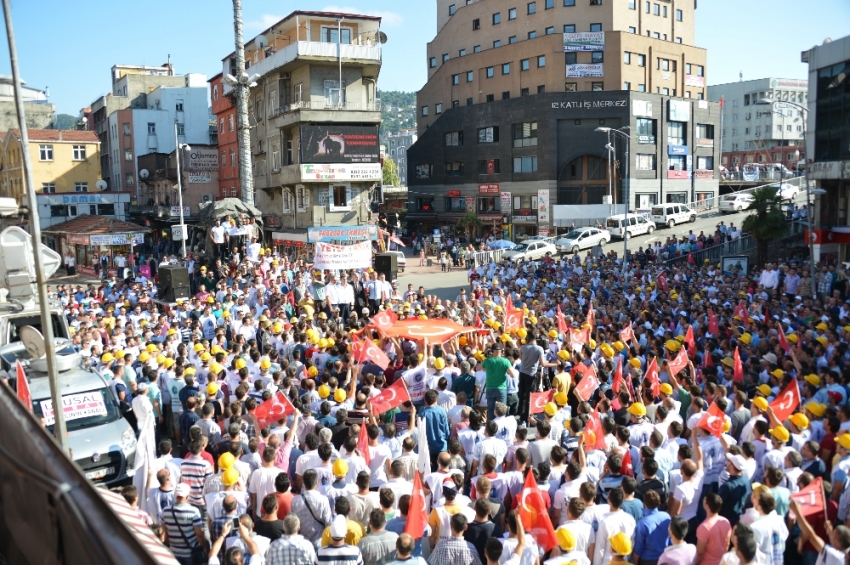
point(766, 221)
point(469, 223)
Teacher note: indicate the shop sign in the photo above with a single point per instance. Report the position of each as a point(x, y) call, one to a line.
point(341, 171)
point(117, 239)
point(544, 232)
point(702, 174)
point(584, 41)
point(524, 218)
point(488, 189)
point(705, 142)
point(175, 211)
point(677, 149)
point(271, 221)
point(694, 80)
point(490, 217)
point(543, 206)
point(202, 160)
point(642, 108)
point(789, 83)
point(82, 199)
point(78, 239)
point(470, 204)
point(200, 178)
point(506, 202)
point(677, 174)
point(342, 233)
point(453, 193)
point(585, 70)
point(829, 170)
point(646, 139)
point(678, 110)
point(588, 104)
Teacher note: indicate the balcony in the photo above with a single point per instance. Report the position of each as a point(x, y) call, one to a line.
point(374, 106)
point(367, 54)
point(322, 110)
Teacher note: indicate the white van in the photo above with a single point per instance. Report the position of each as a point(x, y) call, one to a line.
point(671, 214)
point(638, 225)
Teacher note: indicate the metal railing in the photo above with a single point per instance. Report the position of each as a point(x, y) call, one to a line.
point(486, 257)
point(709, 204)
point(374, 106)
point(743, 176)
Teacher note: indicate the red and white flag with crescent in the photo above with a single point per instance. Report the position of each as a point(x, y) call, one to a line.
point(273, 410)
point(712, 420)
point(787, 401)
point(394, 395)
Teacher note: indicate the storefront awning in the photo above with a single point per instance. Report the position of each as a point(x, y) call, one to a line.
point(99, 230)
point(286, 235)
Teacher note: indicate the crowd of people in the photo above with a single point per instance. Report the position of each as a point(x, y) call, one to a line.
point(621, 450)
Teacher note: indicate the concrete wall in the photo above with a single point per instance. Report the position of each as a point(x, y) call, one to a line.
point(39, 115)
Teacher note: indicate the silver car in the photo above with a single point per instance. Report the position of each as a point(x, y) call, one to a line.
point(530, 251)
point(102, 443)
point(582, 238)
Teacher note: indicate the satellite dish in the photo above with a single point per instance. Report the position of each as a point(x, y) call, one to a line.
point(261, 41)
point(33, 341)
point(85, 120)
point(144, 173)
point(101, 184)
point(382, 37)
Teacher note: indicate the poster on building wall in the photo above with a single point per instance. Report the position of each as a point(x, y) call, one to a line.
point(330, 172)
point(506, 202)
point(343, 257)
point(200, 178)
point(339, 144)
point(202, 160)
point(584, 41)
point(642, 108)
point(694, 80)
point(543, 206)
point(585, 70)
point(342, 233)
point(678, 110)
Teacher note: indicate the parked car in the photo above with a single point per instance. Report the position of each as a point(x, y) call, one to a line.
point(582, 238)
point(638, 225)
point(532, 251)
point(671, 214)
point(786, 191)
point(731, 203)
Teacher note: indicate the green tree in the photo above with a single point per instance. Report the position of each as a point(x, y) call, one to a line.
point(766, 221)
point(469, 223)
point(390, 173)
point(65, 121)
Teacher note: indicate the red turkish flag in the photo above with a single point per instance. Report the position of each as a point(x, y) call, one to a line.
point(366, 349)
point(652, 375)
point(591, 316)
point(514, 320)
point(273, 410)
point(384, 320)
point(690, 258)
point(691, 342)
point(579, 337)
point(712, 420)
point(627, 333)
point(662, 281)
point(589, 383)
point(783, 341)
point(539, 400)
point(363, 444)
point(23, 386)
point(478, 323)
point(535, 515)
point(562, 323)
point(713, 326)
point(679, 362)
point(509, 304)
point(741, 312)
point(628, 467)
point(392, 396)
point(738, 367)
point(594, 424)
point(417, 518)
point(618, 382)
point(787, 400)
point(810, 498)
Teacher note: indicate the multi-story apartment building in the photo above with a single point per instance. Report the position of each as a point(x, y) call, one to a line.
point(761, 134)
point(40, 112)
point(505, 75)
point(224, 114)
point(314, 117)
point(399, 143)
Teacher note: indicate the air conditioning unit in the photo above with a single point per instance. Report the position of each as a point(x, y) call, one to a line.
point(285, 76)
point(758, 135)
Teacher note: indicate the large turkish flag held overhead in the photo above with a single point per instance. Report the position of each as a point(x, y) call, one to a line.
point(435, 331)
point(273, 410)
point(787, 400)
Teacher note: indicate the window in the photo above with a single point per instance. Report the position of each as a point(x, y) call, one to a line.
point(438, 108)
point(569, 28)
point(571, 87)
point(541, 88)
point(490, 72)
point(665, 91)
point(126, 129)
point(550, 30)
point(656, 9)
point(525, 203)
point(461, 53)
point(676, 163)
point(181, 129)
point(179, 106)
point(59, 211)
point(512, 40)
point(595, 27)
point(664, 11)
point(525, 164)
point(525, 134)
point(455, 104)
point(641, 88)
point(497, 44)
point(506, 95)
point(476, 49)
point(332, 35)
point(223, 162)
point(455, 204)
point(523, 92)
point(700, 96)
point(571, 58)
point(512, 14)
point(221, 125)
point(79, 153)
point(701, 73)
point(632, 29)
point(48, 187)
point(81, 187)
point(215, 92)
point(549, 4)
point(647, 7)
point(488, 166)
point(734, 117)
point(229, 118)
point(676, 133)
point(488, 135)
point(641, 60)
point(656, 35)
point(497, 18)
point(454, 168)
point(524, 65)
point(632, 4)
point(627, 58)
point(705, 131)
point(532, 8)
point(424, 110)
point(152, 128)
point(489, 204)
point(432, 62)
point(532, 34)
point(627, 85)
point(425, 204)
point(454, 138)
point(569, 2)
point(128, 154)
point(491, 97)
point(423, 172)
point(596, 57)
point(452, 10)
point(106, 209)
point(476, 24)
point(707, 163)
point(45, 152)
point(678, 15)
point(597, 86)
point(455, 79)
point(734, 131)
point(645, 130)
point(645, 162)
point(541, 61)
point(469, 75)
point(445, 57)
point(688, 71)
point(341, 196)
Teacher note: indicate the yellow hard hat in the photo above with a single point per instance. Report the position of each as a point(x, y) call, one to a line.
point(550, 409)
point(151, 348)
point(637, 409)
point(199, 347)
point(552, 333)
point(144, 356)
point(566, 539)
point(312, 371)
point(439, 363)
point(230, 476)
point(265, 363)
point(620, 544)
point(241, 363)
point(107, 358)
point(324, 391)
point(189, 371)
point(340, 468)
point(206, 356)
point(212, 389)
point(634, 362)
point(564, 354)
point(340, 395)
point(561, 398)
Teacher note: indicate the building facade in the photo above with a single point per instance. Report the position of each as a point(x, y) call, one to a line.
point(829, 136)
point(224, 113)
point(399, 143)
point(761, 134)
point(39, 111)
point(508, 160)
point(314, 118)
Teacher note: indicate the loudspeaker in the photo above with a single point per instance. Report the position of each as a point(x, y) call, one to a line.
point(173, 275)
point(386, 262)
point(175, 293)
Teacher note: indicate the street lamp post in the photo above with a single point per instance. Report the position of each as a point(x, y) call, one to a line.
point(809, 211)
point(178, 147)
point(628, 138)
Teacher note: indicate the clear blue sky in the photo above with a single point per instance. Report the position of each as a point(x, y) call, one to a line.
point(70, 46)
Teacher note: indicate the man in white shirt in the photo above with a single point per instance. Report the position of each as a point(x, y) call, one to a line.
point(217, 235)
point(769, 279)
point(610, 525)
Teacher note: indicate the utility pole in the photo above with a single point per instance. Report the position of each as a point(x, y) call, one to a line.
point(246, 181)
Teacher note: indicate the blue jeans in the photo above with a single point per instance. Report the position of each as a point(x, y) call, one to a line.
point(495, 395)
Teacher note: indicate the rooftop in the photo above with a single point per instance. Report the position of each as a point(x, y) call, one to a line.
point(87, 136)
point(96, 225)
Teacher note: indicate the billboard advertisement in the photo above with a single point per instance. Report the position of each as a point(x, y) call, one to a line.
point(543, 206)
point(679, 110)
point(584, 41)
point(585, 70)
point(330, 172)
point(339, 144)
point(202, 160)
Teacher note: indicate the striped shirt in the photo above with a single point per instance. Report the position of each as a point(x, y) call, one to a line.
point(194, 471)
point(339, 555)
point(182, 518)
